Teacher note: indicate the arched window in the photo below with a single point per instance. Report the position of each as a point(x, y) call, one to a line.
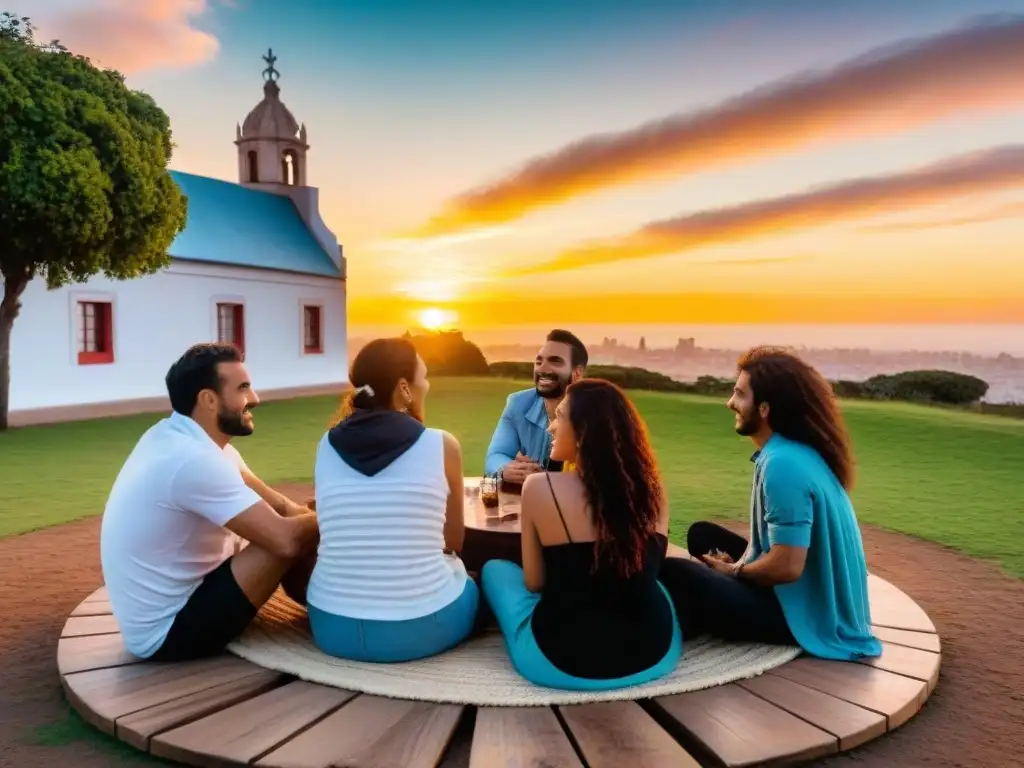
point(290, 168)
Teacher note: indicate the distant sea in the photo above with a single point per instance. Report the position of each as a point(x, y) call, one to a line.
point(987, 340)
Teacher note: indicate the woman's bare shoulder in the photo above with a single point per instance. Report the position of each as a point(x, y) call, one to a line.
point(542, 489)
point(541, 483)
point(569, 481)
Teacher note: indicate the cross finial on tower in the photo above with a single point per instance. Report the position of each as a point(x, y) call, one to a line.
point(270, 74)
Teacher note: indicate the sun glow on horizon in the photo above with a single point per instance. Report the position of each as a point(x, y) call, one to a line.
point(435, 318)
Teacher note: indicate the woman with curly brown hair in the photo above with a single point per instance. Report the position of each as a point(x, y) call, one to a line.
point(586, 610)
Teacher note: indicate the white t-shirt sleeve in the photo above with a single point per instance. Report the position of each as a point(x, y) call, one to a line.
point(211, 487)
point(231, 454)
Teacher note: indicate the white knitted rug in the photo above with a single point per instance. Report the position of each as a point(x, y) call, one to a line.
point(479, 671)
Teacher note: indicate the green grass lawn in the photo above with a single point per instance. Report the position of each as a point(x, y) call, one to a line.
point(950, 477)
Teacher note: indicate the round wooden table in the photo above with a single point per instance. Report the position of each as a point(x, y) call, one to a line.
point(490, 533)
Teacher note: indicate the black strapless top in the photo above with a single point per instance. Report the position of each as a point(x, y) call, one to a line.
point(600, 625)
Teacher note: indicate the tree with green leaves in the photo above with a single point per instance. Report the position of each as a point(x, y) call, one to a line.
point(84, 187)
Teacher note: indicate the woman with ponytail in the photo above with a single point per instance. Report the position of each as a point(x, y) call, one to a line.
point(388, 585)
point(586, 611)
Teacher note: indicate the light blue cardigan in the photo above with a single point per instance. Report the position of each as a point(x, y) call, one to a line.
point(523, 426)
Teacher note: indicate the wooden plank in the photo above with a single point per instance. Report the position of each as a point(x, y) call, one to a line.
point(910, 662)
point(613, 734)
point(103, 695)
point(94, 608)
point(926, 641)
point(99, 595)
point(81, 654)
point(897, 697)
point(850, 724)
point(245, 731)
point(741, 729)
point(891, 607)
point(524, 737)
point(81, 626)
point(372, 732)
point(456, 755)
point(137, 728)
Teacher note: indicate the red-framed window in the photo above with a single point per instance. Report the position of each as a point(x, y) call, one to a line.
point(231, 325)
point(95, 332)
point(312, 330)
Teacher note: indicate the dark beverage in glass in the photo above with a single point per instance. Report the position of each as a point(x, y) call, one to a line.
point(489, 491)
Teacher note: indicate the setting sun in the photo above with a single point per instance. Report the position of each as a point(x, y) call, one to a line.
point(435, 318)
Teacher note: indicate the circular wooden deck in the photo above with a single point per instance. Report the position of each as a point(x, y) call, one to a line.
point(226, 711)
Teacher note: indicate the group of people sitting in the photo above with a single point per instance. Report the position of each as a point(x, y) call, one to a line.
point(193, 543)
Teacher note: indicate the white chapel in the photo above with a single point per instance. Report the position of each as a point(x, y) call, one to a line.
point(255, 265)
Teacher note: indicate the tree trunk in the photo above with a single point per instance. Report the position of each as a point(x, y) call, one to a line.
point(14, 286)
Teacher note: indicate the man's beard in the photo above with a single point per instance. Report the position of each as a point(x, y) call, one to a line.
point(749, 423)
point(233, 425)
point(563, 383)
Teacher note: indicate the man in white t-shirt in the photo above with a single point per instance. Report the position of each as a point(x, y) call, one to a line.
point(180, 584)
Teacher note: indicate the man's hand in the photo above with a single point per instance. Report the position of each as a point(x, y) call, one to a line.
point(284, 506)
point(517, 470)
point(719, 555)
point(720, 562)
point(292, 509)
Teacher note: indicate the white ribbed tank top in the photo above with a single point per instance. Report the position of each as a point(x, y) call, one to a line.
point(381, 537)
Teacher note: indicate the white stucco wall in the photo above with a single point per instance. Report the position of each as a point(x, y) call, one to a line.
point(156, 318)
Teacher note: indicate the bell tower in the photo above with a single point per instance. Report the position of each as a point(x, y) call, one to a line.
point(271, 144)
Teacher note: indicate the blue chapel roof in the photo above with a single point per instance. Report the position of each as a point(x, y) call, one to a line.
point(242, 227)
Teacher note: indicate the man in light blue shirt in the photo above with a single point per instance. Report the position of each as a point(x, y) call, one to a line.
point(802, 576)
point(521, 443)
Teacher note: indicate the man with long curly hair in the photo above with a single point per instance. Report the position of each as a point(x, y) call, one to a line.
point(802, 576)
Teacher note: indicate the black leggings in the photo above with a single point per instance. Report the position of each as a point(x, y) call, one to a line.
point(713, 603)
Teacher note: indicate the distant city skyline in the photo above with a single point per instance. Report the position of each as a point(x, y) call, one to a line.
point(853, 353)
point(989, 340)
point(645, 163)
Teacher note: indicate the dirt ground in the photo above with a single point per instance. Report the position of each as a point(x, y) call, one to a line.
point(974, 719)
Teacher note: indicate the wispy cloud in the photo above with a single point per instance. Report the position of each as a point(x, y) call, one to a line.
point(998, 213)
point(765, 259)
point(984, 171)
point(429, 244)
point(969, 69)
point(129, 35)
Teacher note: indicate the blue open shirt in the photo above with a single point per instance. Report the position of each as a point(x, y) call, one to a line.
point(523, 426)
point(798, 501)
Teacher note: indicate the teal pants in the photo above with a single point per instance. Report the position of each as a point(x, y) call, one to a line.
point(393, 641)
point(513, 605)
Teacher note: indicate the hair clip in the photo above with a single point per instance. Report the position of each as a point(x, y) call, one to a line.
point(365, 388)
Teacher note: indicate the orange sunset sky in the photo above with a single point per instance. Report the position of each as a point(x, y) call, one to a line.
point(644, 162)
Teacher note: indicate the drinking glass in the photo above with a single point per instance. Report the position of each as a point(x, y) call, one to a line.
point(489, 492)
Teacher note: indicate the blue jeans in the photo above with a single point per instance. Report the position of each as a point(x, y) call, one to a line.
point(392, 641)
point(513, 606)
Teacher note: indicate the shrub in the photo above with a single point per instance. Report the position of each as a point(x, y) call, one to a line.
point(1010, 410)
point(927, 386)
point(508, 369)
point(450, 354)
point(711, 385)
point(630, 377)
point(847, 388)
point(945, 387)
